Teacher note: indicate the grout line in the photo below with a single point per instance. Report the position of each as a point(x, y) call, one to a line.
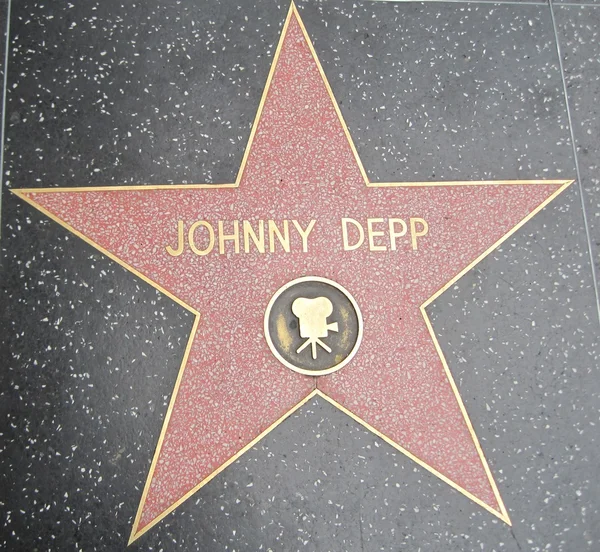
point(510, 2)
point(577, 172)
point(3, 120)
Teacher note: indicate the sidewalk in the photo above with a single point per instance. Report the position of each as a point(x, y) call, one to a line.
point(150, 93)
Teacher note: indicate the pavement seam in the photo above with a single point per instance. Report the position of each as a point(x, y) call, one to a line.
point(582, 195)
point(3, 121)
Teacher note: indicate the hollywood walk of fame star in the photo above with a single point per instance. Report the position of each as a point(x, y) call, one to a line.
point(300, 165)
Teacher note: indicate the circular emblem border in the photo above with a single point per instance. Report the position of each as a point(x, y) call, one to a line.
point(290, 365)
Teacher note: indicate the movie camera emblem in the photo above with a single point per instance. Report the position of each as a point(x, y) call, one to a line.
point(313, 326)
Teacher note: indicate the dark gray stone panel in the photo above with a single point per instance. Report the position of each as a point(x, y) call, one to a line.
point(579, 34)
point(447, 91)
point(146, 92)
point(4, 12)
point(3, 27)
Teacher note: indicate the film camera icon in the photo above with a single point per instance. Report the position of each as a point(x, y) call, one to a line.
point(312, 318)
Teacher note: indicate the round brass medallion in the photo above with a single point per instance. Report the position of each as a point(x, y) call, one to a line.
point(313, 326)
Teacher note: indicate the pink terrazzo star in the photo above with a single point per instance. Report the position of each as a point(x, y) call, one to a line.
point(300, 164)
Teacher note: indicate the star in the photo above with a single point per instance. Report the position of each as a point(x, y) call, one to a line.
point(395, 247)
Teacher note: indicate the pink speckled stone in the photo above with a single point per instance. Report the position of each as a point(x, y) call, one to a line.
point(301, 167)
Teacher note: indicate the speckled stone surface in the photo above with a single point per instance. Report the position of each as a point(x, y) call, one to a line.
point(92, 352)
point(3, 30)
point(579, 33)
point(486, 103)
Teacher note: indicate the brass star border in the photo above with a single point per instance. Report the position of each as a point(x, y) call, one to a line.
point(293, 12)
